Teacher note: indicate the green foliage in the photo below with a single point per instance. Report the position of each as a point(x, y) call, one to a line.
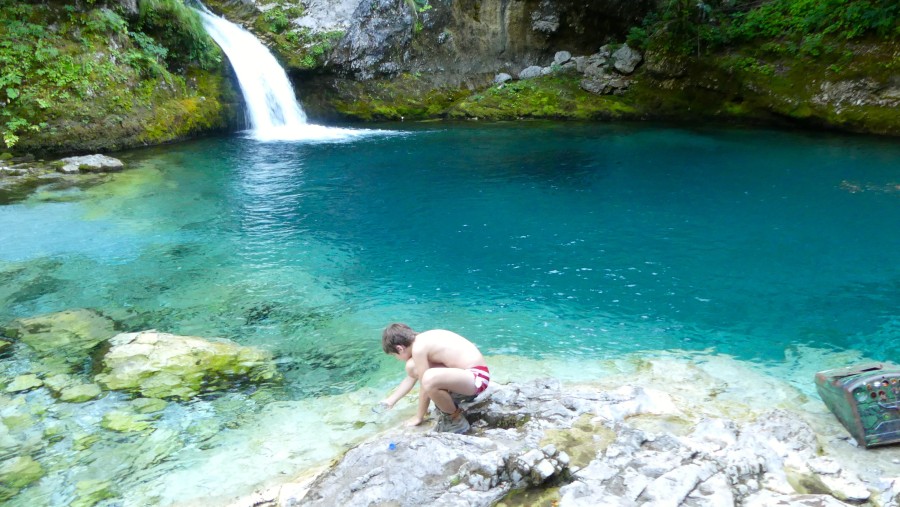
point(276, 20)
point(178, 28)
point(80, 61)
point(417, 7)
point(804, 27)
point(304, 48)
point(795, 19)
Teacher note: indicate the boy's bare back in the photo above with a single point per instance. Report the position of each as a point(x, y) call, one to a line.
point(447, 349)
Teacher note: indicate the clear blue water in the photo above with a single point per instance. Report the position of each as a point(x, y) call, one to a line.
point(538, 240)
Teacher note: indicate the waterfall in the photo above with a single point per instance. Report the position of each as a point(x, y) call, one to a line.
point(272, 107)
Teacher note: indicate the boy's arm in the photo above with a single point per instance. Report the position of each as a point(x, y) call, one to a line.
point(424, 401)
point(401, 391)
point(420, 358)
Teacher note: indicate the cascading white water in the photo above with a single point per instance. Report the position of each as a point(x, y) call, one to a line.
point(272, 106)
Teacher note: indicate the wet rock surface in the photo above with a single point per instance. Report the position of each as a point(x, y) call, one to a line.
point(626, 446)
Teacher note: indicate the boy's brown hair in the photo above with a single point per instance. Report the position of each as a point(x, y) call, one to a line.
point(396, 334)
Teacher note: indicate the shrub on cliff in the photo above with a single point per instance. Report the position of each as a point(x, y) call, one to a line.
point(78, 70)
point(793, 26)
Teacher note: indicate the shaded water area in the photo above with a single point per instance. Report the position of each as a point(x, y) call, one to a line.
point(560, 249)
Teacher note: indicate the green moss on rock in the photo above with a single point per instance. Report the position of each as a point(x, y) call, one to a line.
point(124, 421)
point(80, 393)
point(406, 97)
point(582, 442)
point(17, 473)
point(161, 365)
point(24, 383)
point(553, 97)
point(64, 339)
point(91, 492)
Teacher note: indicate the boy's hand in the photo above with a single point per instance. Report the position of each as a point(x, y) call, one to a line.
point(415, 421)
point(382, 406)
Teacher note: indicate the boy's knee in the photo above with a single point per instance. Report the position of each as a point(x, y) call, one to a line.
point(429, 382)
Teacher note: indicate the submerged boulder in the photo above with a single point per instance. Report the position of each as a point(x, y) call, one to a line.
point(16, 473)
point(162, 365)
point(63, 340)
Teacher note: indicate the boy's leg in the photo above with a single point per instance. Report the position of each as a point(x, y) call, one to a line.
point(438, 383)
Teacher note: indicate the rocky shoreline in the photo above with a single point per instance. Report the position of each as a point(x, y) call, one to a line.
point(541, 443)
point(87, 407)
point(19, 176)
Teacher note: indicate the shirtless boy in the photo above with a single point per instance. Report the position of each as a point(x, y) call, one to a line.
point(445, 362)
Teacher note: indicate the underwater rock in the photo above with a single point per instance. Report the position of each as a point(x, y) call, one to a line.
point(24, 383)
point(16, 473)
point(124, 421)
point(80, 393)
point(90, 492)
point(148, 405)
point(64, 339)
point(162, 365)
point(56, 383)
point(4, 344)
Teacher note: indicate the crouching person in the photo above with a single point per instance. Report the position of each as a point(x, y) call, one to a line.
point(445, 363)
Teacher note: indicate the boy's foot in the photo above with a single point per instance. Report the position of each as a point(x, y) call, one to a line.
point(442, 421)
point(458, 425)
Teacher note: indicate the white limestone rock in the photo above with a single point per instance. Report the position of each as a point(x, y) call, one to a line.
point(628, 401)
point(561, 57)
point(91, 163)
point(625, 59)
point(502, 78)
point(530, 72)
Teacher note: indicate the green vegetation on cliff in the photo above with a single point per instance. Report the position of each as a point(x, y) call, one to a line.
point(804, 27)
point(296, 47)
point(826, 63)
point(87, 76)
point(557, 96)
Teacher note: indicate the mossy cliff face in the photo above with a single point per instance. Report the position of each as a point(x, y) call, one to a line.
point(102, 76)
point(857, 89)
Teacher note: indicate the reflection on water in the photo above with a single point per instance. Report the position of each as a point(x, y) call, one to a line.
point(559, 249)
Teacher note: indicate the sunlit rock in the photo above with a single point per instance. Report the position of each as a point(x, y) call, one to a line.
point(162, 365)
point(523, 434)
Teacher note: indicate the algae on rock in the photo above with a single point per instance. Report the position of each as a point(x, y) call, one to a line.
point(62, 340)
point(162, 365)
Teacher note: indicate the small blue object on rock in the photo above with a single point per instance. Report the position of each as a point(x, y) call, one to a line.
point(392, 446)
